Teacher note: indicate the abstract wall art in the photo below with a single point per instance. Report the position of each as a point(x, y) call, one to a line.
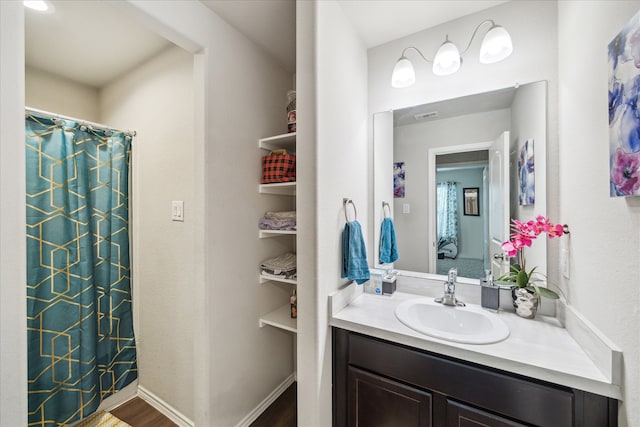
point(624, 117)
point(398, 179)
point(526, 174)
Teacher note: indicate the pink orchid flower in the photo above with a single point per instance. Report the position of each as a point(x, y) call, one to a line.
point(525, 232)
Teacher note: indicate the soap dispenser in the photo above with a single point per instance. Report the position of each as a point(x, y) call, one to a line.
point(490, 293)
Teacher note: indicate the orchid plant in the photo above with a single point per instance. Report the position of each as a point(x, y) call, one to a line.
point(522, 236)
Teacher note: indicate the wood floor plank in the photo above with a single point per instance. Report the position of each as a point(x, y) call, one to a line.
point(282, 413)
point(139, 413)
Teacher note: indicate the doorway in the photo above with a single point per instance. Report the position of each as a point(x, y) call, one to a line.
point(156, 95)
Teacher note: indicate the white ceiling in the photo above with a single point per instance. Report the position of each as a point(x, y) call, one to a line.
point(89, 41)
point(471, 104)
point(93, 43)
point(271, 24)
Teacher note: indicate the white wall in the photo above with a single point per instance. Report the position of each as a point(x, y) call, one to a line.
point(244, 95)
point(156, 100)
point(57, 94)
point(605, 232)
point(341, 154)
point(529, 121)
point(411, 144)
point(13, 308)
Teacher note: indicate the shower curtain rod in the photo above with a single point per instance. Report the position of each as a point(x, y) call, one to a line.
point(79, 121)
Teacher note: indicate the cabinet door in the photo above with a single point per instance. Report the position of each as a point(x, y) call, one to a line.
point(459, 415)
point(375, 401)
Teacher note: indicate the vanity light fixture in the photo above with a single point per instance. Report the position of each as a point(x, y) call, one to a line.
point(496, 46)
point(39, 5)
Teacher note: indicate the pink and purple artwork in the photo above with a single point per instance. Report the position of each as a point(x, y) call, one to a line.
point(526, 174)
point(624, 114)
point(398, 179)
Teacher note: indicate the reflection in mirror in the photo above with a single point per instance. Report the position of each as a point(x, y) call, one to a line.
point(448, 146)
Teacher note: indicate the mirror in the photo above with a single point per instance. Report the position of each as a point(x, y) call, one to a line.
point(443, 153)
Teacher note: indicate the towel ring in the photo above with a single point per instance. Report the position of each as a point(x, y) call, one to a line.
point(388, 210)
point(345, 202)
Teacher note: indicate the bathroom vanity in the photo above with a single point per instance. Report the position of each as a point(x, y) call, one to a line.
point(385, 373)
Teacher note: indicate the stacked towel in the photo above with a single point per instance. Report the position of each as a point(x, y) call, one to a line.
point(282, 266)
point(278, 221)
point(388, 248)
point(354, 254)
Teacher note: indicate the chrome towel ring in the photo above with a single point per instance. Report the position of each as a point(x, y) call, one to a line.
point(386, 213)
point(346, 202)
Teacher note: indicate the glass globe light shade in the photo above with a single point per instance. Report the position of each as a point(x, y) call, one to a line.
point(496, 45)
point(403, 73)
point(447, 60)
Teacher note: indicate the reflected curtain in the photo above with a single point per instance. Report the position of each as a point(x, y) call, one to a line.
point(81, 346)
point(447, 213)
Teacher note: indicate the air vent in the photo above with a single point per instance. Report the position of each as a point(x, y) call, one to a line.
point(424, 116)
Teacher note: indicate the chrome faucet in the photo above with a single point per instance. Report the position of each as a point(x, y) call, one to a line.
point(449, 297)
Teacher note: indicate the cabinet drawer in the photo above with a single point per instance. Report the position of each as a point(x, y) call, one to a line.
point(510, 396)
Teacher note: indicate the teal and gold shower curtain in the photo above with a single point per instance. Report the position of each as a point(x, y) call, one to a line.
point(80, 327)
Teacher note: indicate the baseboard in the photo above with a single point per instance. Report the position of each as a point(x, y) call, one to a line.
point(164, 408)
point(262, 406)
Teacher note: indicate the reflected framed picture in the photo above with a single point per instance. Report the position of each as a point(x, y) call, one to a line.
point(398, 179)
point(471, 201)
point(526, 174)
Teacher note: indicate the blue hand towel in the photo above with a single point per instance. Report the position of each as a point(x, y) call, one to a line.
point(354, 254)
point(388, 248)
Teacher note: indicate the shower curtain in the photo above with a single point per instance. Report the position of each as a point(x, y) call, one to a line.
point(81, 346)
point(447, 216)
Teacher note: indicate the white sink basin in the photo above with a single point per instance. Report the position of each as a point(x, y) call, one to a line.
point(469, 325)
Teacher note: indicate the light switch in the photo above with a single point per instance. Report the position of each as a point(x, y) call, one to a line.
point(177, 210)
point(406, 208)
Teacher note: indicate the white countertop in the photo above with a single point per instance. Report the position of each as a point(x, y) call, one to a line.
point(538, 348)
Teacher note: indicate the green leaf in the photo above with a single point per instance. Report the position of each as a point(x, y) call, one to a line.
point(547, 293)
point(522, 279)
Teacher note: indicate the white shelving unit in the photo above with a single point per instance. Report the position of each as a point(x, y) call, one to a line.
point(265, 279)
point(286, 140)
point(263, 234)
point(281, 317)
point(282, 189)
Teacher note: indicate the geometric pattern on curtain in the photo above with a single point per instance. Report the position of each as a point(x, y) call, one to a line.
point(447, 213)
point(81, 346)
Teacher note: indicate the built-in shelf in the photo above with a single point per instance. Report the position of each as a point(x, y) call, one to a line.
point(265, 279)
point(280, 318)
point(281, 188)
point(263, 234)
point(286, 141)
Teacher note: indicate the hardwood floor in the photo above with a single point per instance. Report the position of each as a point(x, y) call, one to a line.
point(139, 413)
point(282, 413)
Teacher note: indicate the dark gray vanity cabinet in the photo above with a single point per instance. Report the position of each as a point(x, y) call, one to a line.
point(377, 383)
